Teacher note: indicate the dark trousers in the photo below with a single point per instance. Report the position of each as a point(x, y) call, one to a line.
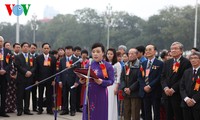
point(132, 108)
point(48, 94)
point(23, 94)
point(34, 97)
point(2, 94)
point(142, 110)
point(173, 109)
point(65, 92)
point(151, 101)
point(78, 97)
point(191, 114)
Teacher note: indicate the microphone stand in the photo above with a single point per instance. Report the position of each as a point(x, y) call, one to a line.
point(86, 93)
point(54, 87)
point(55, 98)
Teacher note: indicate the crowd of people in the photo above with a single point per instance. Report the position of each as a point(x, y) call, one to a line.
point(128, 84)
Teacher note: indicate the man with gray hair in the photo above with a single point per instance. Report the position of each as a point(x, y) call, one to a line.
point(130, 86)
point(122, 49)
point(4, 75)
point(171, 76)
point(189, 89)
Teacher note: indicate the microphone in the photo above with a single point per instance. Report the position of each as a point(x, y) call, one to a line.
point(79, 60)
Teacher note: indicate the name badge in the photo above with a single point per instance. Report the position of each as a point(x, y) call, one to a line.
point(26, 59)
point(147, 72)
point(46, 63)
point(1, 56)
point(68, 64)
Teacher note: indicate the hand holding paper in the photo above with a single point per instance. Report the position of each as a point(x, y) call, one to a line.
point(82, 73)
point(82, 80)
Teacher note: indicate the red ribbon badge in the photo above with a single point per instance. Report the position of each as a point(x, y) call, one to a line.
point(176, 66)
point(142, 71)
point(7, 58)
point(31, 61)
point(104, 71)
point(197, 85)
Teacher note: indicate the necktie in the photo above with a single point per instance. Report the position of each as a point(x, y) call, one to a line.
point(147, 72)
point(26, 57)
point(194, 75)
point(194, 72)
point(149, 64)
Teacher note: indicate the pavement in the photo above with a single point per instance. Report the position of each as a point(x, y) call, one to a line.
point(44, 116)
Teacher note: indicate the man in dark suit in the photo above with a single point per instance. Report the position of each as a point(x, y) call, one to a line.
point(130, 86)
point(68, 79)
point(16, 48)
point(33, 53)
point(77, 54)
point(171, 76)
point(190, 89)
point(4, 75)
point(46, 66)
point(150, 87)
point(26, 68)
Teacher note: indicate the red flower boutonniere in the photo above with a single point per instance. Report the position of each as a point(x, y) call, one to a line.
point(127, 69)
point(176, 66)
point(83, 63)
point(7, 58)
point(49, 61)
point(57, 65)
point(70, 62)
point(103, 68)
point(31, 61)
point(142, 71)
point(197, 84)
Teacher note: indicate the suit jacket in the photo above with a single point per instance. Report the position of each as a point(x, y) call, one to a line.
point(42, 71)
point(68, 76)
point(172, 79)
point(187, 88)
point(34, 77)
point(7, 65)
point(23, 67)
point(131, 80)
point(154, 78)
